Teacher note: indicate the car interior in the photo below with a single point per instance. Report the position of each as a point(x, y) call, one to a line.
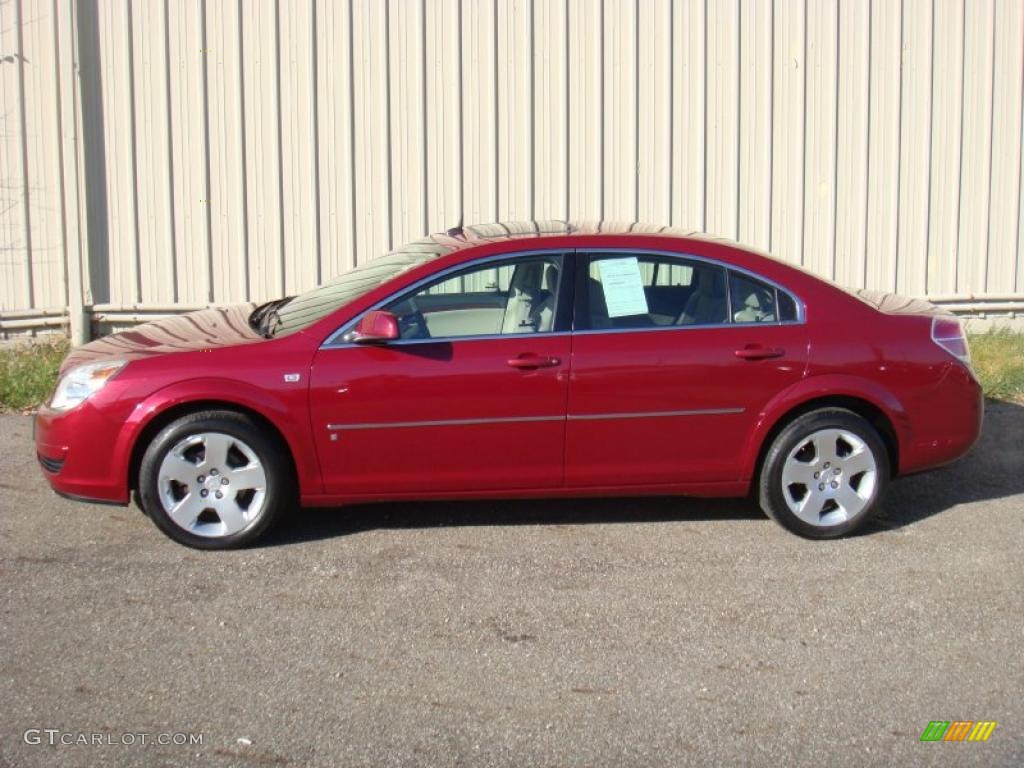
point(520, 298)
point(496, 300)
point(681, 292)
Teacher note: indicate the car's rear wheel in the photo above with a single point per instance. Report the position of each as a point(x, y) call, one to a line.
point(824, 474)
point(214, 480)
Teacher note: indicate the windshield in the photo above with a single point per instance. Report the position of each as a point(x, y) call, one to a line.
point(306, 308)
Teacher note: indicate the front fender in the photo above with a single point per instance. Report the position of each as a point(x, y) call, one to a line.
point(815, 388)
point(287, 412)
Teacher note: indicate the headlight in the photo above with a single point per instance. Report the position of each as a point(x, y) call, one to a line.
point(80, 383)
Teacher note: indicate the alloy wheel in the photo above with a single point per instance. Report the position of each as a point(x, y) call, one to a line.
point(212, 484)
point(829, 477)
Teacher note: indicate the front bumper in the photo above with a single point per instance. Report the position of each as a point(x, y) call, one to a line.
point(78, 453)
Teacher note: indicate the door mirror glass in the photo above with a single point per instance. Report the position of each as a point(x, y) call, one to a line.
point(375, 327)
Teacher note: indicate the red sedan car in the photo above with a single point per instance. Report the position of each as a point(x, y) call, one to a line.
point(519, 360)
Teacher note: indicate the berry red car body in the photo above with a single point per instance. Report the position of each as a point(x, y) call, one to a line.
point(519, 360)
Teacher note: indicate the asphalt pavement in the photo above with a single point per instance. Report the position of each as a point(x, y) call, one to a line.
point(618, 632)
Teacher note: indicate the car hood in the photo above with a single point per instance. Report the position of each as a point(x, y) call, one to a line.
point(205, 329)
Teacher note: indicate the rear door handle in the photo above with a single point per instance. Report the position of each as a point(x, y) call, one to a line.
point(530, 361)
point(757, 352)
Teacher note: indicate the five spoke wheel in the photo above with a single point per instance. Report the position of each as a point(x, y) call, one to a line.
point(829, 477)
point(216, 479)
point(212, 484)
point(824, 473)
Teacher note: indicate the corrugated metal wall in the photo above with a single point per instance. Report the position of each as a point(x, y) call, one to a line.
point(173, 152)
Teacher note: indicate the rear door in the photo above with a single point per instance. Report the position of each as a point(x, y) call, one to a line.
point(673, 359)
point(471, 398)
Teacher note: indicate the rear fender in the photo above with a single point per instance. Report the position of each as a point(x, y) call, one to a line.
point(815, 388)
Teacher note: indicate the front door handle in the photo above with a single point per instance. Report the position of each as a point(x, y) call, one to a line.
point(530, 362)
point(758, 352)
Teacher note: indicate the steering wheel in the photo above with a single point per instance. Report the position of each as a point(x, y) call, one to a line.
point(412, 324)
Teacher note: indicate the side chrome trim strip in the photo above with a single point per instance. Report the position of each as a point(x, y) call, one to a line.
point(524, 419)
point(653, 414)
point(442, 423)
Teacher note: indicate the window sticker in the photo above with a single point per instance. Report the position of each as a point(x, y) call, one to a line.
point(623, 287)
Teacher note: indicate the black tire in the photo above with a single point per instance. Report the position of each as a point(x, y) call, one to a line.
point(772, 494)
point(273, 458)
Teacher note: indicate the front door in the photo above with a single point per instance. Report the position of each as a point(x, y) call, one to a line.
point(471, 398)
point(673, 362)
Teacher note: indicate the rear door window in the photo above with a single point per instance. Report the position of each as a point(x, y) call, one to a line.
point(626, 290)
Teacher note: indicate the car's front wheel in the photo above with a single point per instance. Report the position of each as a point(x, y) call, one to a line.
point(214, 480)
point(824, 474)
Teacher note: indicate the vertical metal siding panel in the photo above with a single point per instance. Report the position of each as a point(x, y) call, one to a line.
point(947, 106)
point(689, 103)
point(14, 253)
point(1006, 131)
point(92, 232)
point(820, 149)
point(852, 142)
point(875, 141)
point(654, 120)
point(189, 147)
point(408, 141)
point(515, 111)
point(42, 141)
point(915, 139)
point(883, 138)
point(151, 132)
point(722, 119)
point(373, 203)
point(755, 123)
point(551, 119)
point(620, 148)
point(259, 75)
point(225, 126)
point(586, 94)
point(976, 159)
point(479, 87)
point(335, 115)
point(113, 49)
point(1019, 270)
point(444, 107)
point(69, 153)
point(300, 262)
point(788, 110)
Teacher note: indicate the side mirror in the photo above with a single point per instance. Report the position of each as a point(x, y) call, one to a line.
point(375, 327)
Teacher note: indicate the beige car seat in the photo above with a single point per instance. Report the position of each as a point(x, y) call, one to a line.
point(531, 303)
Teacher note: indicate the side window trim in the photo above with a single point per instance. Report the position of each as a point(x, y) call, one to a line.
point(563, 307)
point(581, 308)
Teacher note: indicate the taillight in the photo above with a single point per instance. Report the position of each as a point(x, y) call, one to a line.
point(949, 334)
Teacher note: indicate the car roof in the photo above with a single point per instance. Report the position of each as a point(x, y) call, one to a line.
point(461, 237)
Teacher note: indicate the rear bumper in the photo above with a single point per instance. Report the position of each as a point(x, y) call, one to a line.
point(946, 422)
point(77, 454)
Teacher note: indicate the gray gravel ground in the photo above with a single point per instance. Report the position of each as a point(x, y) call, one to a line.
point(607, 633)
